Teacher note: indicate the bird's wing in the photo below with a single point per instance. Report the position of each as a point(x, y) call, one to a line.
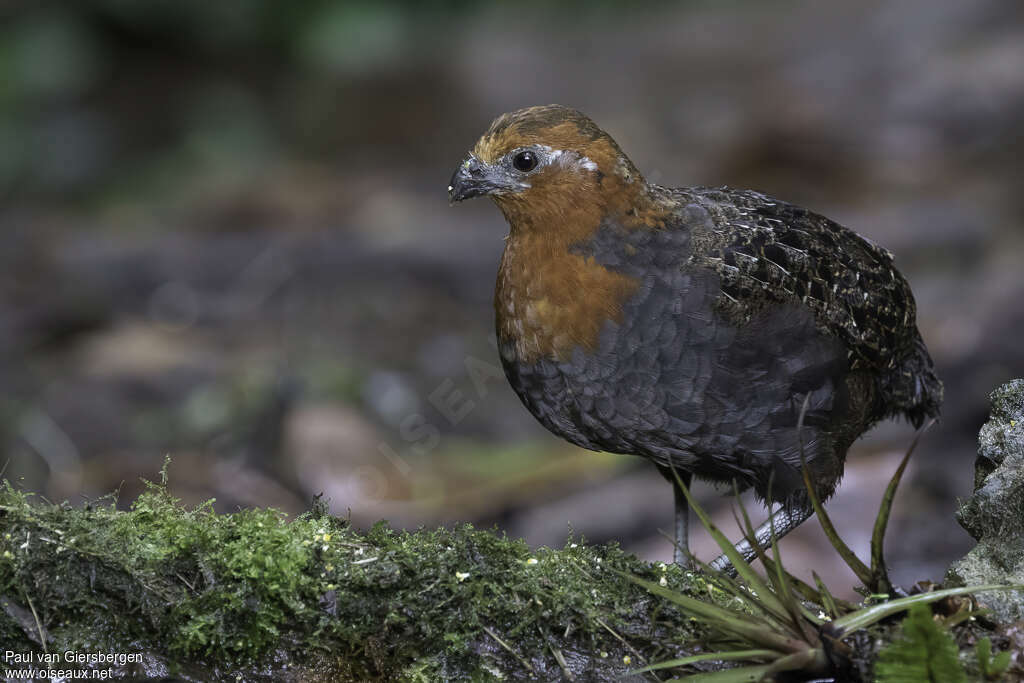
point(768, 252)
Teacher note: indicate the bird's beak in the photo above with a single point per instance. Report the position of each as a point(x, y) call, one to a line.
point(474, 178)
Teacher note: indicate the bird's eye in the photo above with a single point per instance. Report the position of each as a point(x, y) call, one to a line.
point(525, 161)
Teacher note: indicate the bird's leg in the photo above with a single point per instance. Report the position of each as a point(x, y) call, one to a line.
point(682, 547)
point(785, 519)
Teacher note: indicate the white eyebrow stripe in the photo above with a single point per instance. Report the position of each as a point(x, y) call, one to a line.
point(552, 153)
point(581, 161)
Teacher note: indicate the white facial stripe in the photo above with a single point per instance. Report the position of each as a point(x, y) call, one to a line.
point(579, 160)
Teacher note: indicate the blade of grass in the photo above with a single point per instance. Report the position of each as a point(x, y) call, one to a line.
point(560, 658)
point(870, 615)
point(745, 571)
point(743, 674)
point(959, 617)
point(827, 601)
point(852, 561)
point(882, 521)
point(625, 642)
point(786, 587)
point(778, 577)
point(727, 584)
point(806, 592)
point(745, 626)
point(816, 596)
point(810, 661)
point(747, 529)
point(802, 594)
point(708, 657)
point(497, 638)
point(706, 610)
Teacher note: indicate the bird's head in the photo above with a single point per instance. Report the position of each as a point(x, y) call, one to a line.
point(545, 161)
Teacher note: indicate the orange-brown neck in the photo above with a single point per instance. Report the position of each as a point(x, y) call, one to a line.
point(549, 299)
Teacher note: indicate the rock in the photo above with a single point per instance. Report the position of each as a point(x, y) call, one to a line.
point(994, 515)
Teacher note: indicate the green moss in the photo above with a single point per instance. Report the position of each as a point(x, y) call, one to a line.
point(258, 595)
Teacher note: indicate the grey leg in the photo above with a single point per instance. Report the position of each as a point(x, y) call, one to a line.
point(682, 548)
point(786, 519)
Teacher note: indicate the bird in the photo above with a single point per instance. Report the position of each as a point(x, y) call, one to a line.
point(720, 333)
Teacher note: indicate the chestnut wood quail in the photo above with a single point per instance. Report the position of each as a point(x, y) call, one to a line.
point(690, 326)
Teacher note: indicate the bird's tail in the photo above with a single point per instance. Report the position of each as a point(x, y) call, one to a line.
point(912, 389)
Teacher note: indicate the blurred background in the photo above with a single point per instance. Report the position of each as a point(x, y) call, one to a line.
point(225, 237)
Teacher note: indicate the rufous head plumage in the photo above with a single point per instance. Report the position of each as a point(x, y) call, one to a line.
point(546, 160)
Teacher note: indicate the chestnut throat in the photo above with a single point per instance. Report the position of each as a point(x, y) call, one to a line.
point(551, 299)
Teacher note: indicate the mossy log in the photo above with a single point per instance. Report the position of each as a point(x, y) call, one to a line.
point(198, 596)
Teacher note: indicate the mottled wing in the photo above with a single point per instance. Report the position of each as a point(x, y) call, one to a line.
point(768, 252)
